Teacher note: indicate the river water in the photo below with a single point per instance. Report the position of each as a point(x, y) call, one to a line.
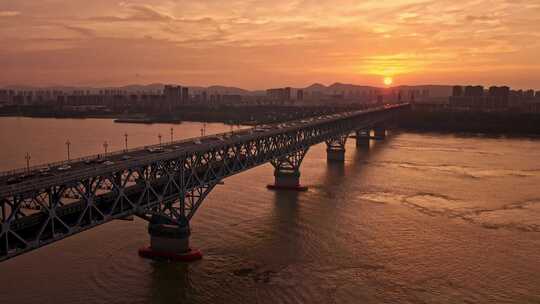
point(418, 218)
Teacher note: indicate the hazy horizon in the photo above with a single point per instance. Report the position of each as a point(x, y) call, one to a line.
point(327, 85)
point(255, 45)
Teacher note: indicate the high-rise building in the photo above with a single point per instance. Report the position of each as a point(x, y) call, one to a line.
point(474, 91)
point(173, 96)
point(300, 95)
point(457, 91)
point(501, 92)
point(281, 95)
point(185, 95)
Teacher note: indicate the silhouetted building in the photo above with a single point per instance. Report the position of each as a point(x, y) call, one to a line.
point(474, 91)
point(173, 96)
point(502, 92)
point(280, 95)
point(231, 99)
point(495, 99)
point(300, 95)
point(204, 97)
point(185, 95)
point(457, 91)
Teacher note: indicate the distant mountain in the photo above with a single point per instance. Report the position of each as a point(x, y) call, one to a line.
point(339, 88)
point(132, 88)
point(336, 88)
point(316, 87)
point(217, 89)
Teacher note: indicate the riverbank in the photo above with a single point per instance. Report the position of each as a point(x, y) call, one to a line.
point(246, 115)
point(471, 122)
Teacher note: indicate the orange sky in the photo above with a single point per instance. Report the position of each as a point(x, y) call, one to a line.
point(258, 44)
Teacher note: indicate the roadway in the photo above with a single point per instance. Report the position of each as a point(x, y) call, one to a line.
point(11, 181)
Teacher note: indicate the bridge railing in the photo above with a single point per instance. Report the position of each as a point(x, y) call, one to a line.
point(34, 168)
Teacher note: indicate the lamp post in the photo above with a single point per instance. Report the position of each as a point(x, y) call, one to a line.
point(105, 146)
point(68, 144)
point(27, 157)
point(172, 133)
point(159, 137)
point(125, 140)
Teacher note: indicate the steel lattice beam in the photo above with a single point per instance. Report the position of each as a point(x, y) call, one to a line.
point(171, 184)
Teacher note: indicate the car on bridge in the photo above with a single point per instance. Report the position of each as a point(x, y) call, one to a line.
point(14, 180)
point(155, 149)
point(64, 167)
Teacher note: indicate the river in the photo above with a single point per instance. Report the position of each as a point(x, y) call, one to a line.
point(417, 218)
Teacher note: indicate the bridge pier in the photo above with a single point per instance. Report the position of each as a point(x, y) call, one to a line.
point(335, 148)
point(287, 172)
point(379, 132)
point(169, 241)
point(362, 138)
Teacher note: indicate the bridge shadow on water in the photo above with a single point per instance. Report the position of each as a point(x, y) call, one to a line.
point(303, 225)
point(342, 174)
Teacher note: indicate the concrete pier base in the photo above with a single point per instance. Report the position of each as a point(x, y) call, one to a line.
point(336, 155)
point(287, 180)
point(362, 138)
point(170, 242)
point(362, 142)
point(379, 133)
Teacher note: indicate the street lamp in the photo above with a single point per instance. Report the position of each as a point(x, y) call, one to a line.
point(159, 137)
point(27, 157)
point(125, 140)
point(105, 146)
point(172, 132)
point(68, 144)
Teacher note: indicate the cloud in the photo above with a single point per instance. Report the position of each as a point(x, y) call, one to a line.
point(81, 30)
point(9, 13)
point(481, 18)
point(138, 12)
point(289, 40)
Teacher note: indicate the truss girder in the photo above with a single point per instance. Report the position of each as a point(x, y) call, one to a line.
point(337, 142)
point(172, 185)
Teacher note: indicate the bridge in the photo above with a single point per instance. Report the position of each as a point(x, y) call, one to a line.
point(165, 184)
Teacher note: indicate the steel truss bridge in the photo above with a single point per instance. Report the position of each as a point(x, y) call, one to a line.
point(164, 185)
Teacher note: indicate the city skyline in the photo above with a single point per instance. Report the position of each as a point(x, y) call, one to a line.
point(255, 46)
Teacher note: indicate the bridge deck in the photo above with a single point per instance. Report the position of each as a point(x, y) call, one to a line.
point(20, 179)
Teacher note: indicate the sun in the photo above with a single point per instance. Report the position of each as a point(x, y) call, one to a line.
point(388, 81)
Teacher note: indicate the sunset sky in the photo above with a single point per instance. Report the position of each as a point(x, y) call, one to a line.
point(259, 44)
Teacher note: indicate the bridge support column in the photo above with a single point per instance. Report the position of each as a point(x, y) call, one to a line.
point(169, 222)
point(380, 132)
point(169, 241)
point(362, 138)
point(335, 148)
point(287, 172)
